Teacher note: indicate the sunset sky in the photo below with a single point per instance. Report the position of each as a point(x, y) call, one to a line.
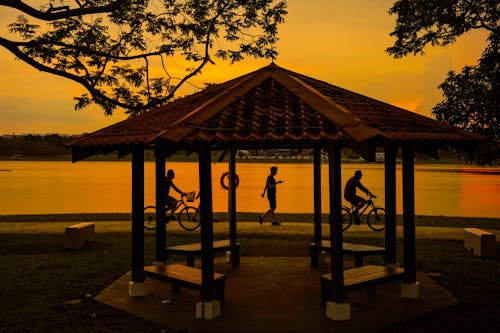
point(341, 42)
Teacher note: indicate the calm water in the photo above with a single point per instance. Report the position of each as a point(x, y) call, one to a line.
point(84, 187)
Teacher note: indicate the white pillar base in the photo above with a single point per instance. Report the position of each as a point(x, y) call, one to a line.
point(208, 310)
point(323, 257)
point(393, 265)
point(137, 289)
point(410, 290)
point(338, 311)
point(158, 263)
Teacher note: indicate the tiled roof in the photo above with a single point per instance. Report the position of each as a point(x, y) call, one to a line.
point(274, 106)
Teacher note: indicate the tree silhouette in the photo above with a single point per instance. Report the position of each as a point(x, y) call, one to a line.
point(122, 51)
point(470, 97)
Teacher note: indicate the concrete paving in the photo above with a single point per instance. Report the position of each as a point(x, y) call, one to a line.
point(276, 294)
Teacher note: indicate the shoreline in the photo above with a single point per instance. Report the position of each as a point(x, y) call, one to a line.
point(222, 217)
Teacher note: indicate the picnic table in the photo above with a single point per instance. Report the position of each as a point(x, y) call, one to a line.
point(194, 249)
point(359, 251)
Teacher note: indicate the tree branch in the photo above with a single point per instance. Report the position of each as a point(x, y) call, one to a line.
point(56, 13)
point(13, 48)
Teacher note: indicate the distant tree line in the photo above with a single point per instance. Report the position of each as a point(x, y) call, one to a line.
point(34, 146)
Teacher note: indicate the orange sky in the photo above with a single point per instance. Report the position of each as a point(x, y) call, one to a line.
point(341, 42)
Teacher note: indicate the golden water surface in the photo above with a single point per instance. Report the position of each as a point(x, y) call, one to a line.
point(33, 187)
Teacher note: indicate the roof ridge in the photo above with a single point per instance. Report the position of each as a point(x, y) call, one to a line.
point(209, 108)
point(350, 124)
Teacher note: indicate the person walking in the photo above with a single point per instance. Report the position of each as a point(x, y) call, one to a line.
point(270, 188)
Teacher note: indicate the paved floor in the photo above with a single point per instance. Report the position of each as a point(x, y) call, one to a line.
point(276, 294)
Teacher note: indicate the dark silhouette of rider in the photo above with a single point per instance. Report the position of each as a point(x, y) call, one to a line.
point(350, 193)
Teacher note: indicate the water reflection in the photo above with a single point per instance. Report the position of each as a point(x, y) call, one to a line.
point(63, 187)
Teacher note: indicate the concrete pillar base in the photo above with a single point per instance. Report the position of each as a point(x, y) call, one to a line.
point(137, 289)
point(158, 263)
point(323, 257)
point(392, 265)
point(410, 290)
point(208, 310)
point(338, 311)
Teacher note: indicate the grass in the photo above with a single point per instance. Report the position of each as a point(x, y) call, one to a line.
point(47, 289)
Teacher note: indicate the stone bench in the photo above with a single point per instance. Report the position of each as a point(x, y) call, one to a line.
point(480, 243)
point(78, 235)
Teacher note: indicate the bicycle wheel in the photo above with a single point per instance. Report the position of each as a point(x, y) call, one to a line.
point(346, 219)
point(376, 219)
point(189, 218)
point(150, 217)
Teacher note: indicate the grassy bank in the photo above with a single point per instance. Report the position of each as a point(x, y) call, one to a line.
point(47, 289)
point(420, 220)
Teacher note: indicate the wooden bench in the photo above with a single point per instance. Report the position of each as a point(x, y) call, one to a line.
point(356, 250)
point(185, 276)
point(78, 235)
point(193, 250)
point(360, 277)
point(480, 243)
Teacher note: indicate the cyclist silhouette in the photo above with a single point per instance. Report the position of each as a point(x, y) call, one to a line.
point(350, 194)
point(169, 183)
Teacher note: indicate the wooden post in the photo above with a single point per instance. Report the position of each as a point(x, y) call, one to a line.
point(161, 231)
point(137, 213)
point(336, 237)
point(390, 204)
point(232, 206)
point(317, 203)
point(207, 233)
point(409, 250)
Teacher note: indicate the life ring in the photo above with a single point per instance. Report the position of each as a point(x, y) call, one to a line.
point(223, 177)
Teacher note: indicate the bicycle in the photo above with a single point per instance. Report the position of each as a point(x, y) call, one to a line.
point(375, 217)
point(188, 217)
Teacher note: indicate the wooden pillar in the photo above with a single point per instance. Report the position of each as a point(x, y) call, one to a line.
point(317, 193)
point(137, 213)
point(390, 204)
point(317, 205)
point(336, 237)
point(409, 250)
point(232, 207)
point(207, 232)
point(161, 235)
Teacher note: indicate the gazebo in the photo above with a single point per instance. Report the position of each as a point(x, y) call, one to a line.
point(275, 108)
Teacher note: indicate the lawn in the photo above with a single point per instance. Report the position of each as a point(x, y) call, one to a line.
point(47, 289)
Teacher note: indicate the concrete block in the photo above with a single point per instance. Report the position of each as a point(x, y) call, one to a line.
point(208, 310)
point(137, 289)
point(338, 311)
point(410, 290)
point(480, 243)
point(78, 235)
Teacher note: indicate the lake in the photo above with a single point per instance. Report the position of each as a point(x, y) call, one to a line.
point(40, 187)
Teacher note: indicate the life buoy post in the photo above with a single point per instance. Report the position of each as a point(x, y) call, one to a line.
point(223, 180)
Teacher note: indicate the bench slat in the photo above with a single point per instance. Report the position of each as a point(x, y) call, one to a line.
point(185, 276)
point(368, 273)
point(178, 272)
point(350, 247)
point(196, 247)
point(360, 277)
